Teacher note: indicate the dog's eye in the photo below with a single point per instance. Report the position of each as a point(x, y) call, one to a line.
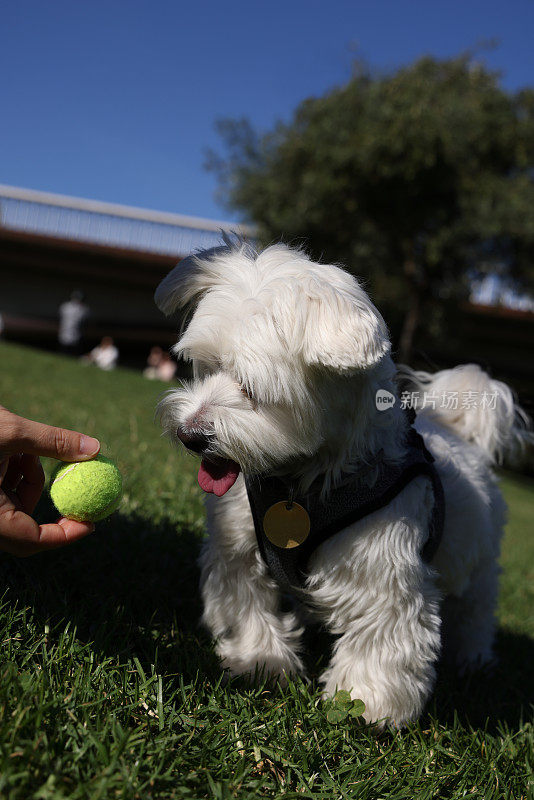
point(205, 368)
point(246, 391)
point(200, 370)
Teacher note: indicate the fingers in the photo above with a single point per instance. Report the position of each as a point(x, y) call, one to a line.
point(13, 473)
point(21, 536)
point(23, 481)
point(19, 435)
point(19, 533)
point(31, 483)
point(63, 532)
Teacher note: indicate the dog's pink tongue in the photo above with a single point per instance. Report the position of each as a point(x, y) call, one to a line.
point(217, 478)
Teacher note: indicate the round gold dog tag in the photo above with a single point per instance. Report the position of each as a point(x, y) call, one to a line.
point(286, 524)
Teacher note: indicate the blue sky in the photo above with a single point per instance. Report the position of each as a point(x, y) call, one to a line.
point(117, 100)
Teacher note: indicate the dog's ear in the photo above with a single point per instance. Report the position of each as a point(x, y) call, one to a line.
point(188, 281)
point(343, 331)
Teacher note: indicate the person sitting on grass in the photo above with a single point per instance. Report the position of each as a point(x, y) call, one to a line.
point(22, 479)
point(105, 355)
point(152, 363)
point(160, 366)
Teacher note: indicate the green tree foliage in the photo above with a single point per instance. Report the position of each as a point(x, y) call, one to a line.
point(413, 180)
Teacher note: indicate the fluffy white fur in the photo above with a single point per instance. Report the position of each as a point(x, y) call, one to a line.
point(288, 356)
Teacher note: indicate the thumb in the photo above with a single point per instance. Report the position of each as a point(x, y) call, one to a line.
point(27, 436)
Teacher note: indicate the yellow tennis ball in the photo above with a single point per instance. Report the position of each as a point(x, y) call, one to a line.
point(86, 491)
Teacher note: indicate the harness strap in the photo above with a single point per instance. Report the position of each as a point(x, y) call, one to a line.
point(345, 506)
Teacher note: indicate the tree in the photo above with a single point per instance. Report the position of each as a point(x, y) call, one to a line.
point(413, 180)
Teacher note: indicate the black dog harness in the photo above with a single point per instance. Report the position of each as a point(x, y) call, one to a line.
point(348, 503)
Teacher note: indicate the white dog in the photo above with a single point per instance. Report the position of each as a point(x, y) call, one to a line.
point(288, 357)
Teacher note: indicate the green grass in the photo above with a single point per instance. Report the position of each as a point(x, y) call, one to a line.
point(109, 688)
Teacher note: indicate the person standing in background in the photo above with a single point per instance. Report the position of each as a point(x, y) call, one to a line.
point(72, 315)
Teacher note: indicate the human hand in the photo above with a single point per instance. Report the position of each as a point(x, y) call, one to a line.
point(22, 441)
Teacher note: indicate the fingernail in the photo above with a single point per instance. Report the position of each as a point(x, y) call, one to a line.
point(89, 446)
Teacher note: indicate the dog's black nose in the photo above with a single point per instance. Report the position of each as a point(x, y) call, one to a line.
point(197, 442)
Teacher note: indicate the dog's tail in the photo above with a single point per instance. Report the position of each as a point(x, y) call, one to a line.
point(476, 407)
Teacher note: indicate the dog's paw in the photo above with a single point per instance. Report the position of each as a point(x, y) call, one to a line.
point(382, 709)
point(258, 666)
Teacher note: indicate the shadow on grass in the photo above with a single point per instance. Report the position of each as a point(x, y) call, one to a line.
point(490, 697)
point(132, 590)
